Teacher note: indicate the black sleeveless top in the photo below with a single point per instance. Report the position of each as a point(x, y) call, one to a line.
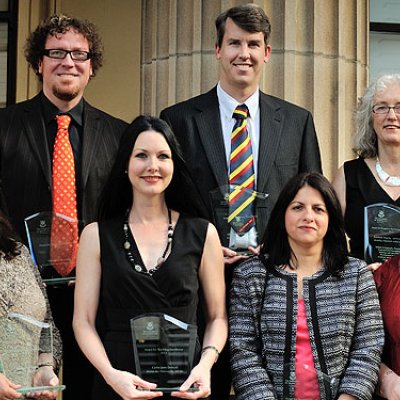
point(126, 293)
point(362, 189)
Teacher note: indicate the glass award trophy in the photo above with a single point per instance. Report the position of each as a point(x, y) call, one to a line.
point(220, 205)
point(306, 375)
point(164, 350)
point(381, 232)
point(22, 339)
point(38, 230)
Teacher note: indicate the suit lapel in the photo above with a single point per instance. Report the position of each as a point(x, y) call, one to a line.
point(209, 127)
point(35, 130)
point(91, 136)
point(270, 133)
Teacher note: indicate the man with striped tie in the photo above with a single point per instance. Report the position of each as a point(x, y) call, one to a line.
point(239, 137)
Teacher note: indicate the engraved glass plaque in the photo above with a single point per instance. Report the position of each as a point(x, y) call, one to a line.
point(22, 339)
point(307, 376)
point(381, 232)
point(220, 205)
point(164, 350)
point(38, 230)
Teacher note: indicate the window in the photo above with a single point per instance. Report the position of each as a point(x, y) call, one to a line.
point(384, 37)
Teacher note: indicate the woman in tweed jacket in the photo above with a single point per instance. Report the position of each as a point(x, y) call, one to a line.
point(332, 348)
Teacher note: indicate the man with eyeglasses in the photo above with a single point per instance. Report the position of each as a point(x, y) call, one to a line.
point(65, 53)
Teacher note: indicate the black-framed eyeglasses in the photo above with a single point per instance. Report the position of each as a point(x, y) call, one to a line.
point(60, 54)
point(382, 109)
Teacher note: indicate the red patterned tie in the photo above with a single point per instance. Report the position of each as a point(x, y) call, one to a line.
point(64, 231)
point(241, 177)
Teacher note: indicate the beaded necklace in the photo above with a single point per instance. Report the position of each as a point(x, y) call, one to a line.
point(128, 247)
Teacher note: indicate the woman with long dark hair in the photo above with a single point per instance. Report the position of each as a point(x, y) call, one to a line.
point(304, 319)
point(149, 252)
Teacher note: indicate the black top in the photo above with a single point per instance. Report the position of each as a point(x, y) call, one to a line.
point(126, 293)
point(362, 189)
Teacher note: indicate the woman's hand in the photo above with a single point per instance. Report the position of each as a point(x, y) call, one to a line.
point(374, 266)
point(8, 389)
point(200, 378)
point(44, 376)
point(231, 257)
point(130, 386)
point(390, 386)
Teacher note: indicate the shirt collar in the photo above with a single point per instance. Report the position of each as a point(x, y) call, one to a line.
point(227, 103)
point(50, 111)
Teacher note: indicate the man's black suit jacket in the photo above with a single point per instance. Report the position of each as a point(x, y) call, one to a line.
point(25, 161)
point(25, 173)
point(288, 145)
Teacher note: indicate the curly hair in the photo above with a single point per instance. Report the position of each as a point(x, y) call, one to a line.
point(249, 17)
point(59, 24)
point(365, 142)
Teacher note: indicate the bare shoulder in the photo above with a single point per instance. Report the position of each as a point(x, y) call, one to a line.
point(339, 175)
point(90, 231)
point(212, 235)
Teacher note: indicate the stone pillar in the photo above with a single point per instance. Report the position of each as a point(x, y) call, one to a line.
point(319, 59)
point(177, 51)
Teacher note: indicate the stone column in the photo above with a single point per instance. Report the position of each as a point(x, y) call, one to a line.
point(319, 59)
point(177, 51)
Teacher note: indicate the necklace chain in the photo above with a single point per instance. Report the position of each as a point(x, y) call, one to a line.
point(128, 247)
point(384, 176)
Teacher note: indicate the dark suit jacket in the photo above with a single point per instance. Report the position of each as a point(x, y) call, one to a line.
point(25, 162)
point(288, 145)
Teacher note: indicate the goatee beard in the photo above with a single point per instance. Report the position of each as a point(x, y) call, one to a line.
point(65, 96)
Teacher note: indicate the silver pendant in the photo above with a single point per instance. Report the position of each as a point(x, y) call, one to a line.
point(138, 268)
point(127, 245)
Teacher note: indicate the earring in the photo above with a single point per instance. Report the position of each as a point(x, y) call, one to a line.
point(126, 171)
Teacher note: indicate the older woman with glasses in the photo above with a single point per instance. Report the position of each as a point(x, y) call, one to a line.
point(374, 177)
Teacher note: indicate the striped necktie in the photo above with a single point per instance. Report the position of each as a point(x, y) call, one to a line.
point(241, 177)
point(64, 230)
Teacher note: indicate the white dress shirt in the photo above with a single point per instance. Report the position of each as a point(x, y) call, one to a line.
point(227, 105)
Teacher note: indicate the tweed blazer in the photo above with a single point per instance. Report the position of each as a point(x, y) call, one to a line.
point(344, 322)
point(25, 162)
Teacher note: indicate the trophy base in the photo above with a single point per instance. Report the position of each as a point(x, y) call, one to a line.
point(170, 389)
point(59, 281)
point(243, 252)
point(33, 389)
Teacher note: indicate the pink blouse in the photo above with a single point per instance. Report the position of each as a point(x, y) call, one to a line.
point(306, 386)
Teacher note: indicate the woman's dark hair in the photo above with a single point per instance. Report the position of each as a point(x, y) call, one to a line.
point(181, 194)
point(9, 241)
point(59, 24)
point(275, 244)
